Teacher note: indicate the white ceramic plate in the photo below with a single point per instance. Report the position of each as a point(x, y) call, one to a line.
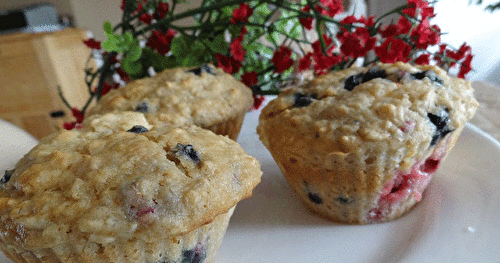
point(457, 221)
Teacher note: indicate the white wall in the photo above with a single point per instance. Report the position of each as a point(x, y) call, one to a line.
point(91, 14)
point(479, 28)
point(463, 23)
point(62, 6)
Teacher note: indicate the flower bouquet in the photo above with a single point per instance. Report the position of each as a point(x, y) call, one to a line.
point(266, 44)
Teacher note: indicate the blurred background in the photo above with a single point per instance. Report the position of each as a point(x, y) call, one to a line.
point(41, 48)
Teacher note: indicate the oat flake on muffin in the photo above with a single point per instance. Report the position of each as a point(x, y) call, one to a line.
point(360, 145)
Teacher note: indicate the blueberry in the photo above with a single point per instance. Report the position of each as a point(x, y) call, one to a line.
point(441, 122)
point(344, 200)
point(195, 255)
point(57, 114)
point(419, 75)
point(6, 177)
point(203, 68)
point(188, 151)
point(352, 81)
point(303, 100)
point(138, 129)
point(374, 73)
point(315, 198)
point(429, 74)
point(142, 107)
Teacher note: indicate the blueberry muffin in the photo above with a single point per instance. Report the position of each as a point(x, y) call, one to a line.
point(205, 96)
point(122, 190)
point(360, 145)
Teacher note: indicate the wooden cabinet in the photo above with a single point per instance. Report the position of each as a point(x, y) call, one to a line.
point(31, 68)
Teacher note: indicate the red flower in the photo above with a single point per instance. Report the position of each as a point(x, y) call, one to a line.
point(228, 64)
point(323, 61)
point(78, 115)
point(389, 31)
point(423, 6)
point(69, 125)
point(357, 43)
point(112, 59)
point(305, 62)
point(404, 26)
point(241, 14)
point(392, 30)
point(423, 59)
point(123, 75)
point(92, 43)
point(423, 35)
point(306, 21)
point(139, 8)
point(392, 50)
point(237, 50)
point(316, 46)
point(257, 101)
point(161, 10)
point(282, 59)
point(465, 67)
point(106, 87)
point(160, 41)
point(352, 19)
point(464, 49)
point(249, 78)
point(333, 7)
point(146, 18)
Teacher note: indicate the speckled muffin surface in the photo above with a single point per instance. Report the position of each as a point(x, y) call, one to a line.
point(360, 145)
point(121, 190)
point(205, 96)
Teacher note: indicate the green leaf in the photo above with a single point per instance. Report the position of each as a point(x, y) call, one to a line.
point(260, 13)
point(128, 38)
point(111, 43)
point(158, 61)
point(188, 52)
point(108, 28)
point(217, 44)
point(273, 37)
point(132, 67)
point(179, 46)
point(135, 52)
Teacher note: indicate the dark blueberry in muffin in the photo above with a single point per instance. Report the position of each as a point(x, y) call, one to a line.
point(203, 68)
point(374, 73)
point(142, 107)
point(344, 200)
point(138, 129)
point(352, 81)
point(315, 198)
point(441, 121)
point(6, 176)
point(195, 255)
point(188, 151)
point(429, 74)
point(57, 114)
point(303, 100)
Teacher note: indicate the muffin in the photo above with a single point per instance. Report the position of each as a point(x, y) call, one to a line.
point(121, 190)
point(360, 145)
point(204, 96)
